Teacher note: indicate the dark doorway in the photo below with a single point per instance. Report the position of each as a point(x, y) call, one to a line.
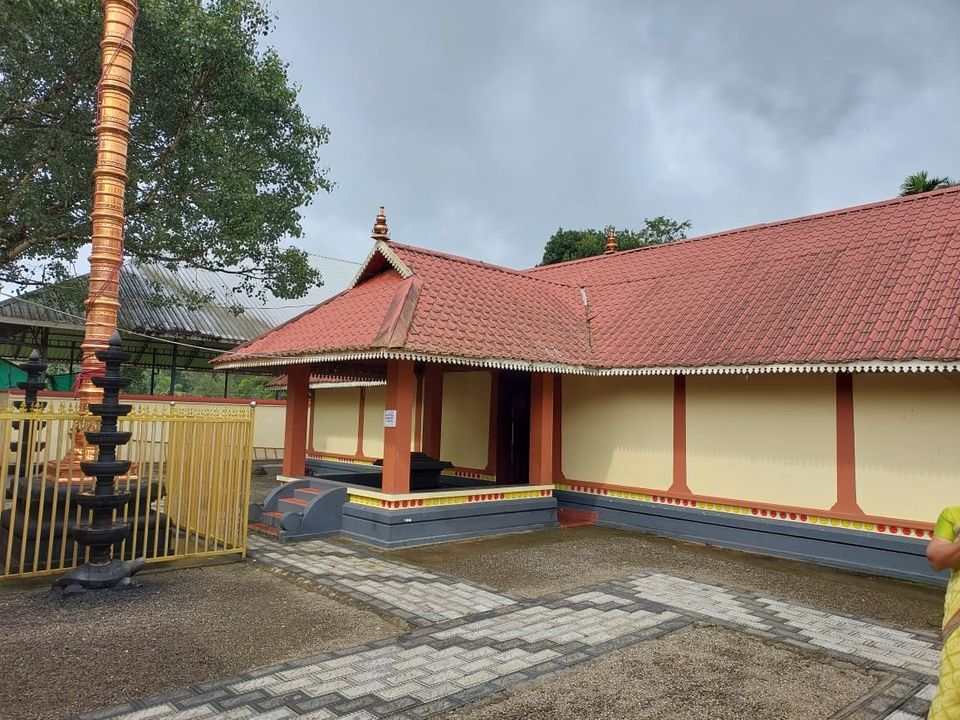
point(513, 428)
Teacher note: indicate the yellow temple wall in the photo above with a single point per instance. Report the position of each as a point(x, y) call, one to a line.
point(618, 430)
point(373, 408)
point(907, 434)
point(465, 419)
point(769, 438)
point(336, 414)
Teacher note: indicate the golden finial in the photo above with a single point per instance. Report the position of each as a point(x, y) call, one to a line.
point(611, 246)
point(380, 226)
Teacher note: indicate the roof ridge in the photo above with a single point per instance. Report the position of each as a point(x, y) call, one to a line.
point(330, 257)
point(481, 263)
point(746, 228)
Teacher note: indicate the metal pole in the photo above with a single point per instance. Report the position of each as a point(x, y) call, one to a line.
point(173, 371)
point(226, 383)
point(153, 370)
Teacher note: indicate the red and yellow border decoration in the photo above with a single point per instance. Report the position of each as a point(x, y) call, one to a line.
point(469, 474)
point(435, 499)
point(786, 515)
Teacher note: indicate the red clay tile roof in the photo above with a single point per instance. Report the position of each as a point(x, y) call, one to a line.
point(448, 306)
point(875, 282)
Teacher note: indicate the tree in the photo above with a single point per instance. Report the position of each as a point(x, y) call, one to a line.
point(920, 182)
point(566, 245)
point(221, 155)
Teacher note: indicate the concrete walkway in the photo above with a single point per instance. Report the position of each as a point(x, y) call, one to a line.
point(472, 642)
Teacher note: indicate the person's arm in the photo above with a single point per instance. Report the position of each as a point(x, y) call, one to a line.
point(943, 554)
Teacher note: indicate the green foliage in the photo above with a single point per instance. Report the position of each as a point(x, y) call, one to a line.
point(920, 182)
point(199, 383)
point(566, 245)
point(221, 155)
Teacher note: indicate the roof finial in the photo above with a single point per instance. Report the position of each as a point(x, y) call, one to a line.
point(380, 226)
point(611, 246)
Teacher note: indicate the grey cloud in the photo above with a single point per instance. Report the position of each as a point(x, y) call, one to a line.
point(483, 126)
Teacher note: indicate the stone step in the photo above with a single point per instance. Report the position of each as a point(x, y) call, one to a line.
point(262, 529)
point(307, 493)
point(292, 504)
point(271, 517)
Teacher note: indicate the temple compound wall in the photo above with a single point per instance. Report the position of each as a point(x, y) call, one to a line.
point(849, 470)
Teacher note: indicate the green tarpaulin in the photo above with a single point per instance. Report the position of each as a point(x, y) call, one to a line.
point(11, 374)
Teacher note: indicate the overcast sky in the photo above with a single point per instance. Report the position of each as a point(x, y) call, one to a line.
point(483, 126)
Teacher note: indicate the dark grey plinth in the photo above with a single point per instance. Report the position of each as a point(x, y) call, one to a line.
point(873, 553)
point(429, 525)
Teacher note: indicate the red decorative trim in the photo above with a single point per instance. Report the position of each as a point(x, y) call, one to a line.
point(771, 510)
point(70, 395)
point(340, 456)
point(472, 473)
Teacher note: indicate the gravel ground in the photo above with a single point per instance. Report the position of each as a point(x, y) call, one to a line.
point(263, 480)
point(547, 561)
point(260, 485)
point(184, 626)
point(698, 672)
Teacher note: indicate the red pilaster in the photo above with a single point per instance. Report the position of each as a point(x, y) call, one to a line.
point(846, 448)
point(558, 429)
point(493, 434)
point(542, 396)
point(401, 388)
point(363, 402)
point(679, 485)
point(295, 427)
point(432, 408)
point(418, 413)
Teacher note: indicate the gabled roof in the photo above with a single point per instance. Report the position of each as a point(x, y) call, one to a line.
point(415, 302)
point(860, 287)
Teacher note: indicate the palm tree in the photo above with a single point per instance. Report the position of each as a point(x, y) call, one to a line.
point(920, 182)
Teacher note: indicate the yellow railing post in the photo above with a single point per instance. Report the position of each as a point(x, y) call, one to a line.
point(196, 464)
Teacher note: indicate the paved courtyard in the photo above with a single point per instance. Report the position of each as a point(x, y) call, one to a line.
point(474, 646)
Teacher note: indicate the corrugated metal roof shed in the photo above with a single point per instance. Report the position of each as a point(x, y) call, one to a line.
point(186, 304)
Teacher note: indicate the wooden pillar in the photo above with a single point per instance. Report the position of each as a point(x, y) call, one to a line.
point(432, 408)
point(418, 411)
point(542, 396)
point(679, 485)
point(295, 428)
point(846, 448)
point(401, 388)
point(558, 429)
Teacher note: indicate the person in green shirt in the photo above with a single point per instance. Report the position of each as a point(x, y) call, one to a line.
point(943, 553)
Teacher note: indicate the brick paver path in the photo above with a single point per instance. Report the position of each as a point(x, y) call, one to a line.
point(472, 642)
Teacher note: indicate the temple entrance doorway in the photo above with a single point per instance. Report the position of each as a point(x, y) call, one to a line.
point(513, 428)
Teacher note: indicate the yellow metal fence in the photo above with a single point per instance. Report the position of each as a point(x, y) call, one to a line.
point(190, 484)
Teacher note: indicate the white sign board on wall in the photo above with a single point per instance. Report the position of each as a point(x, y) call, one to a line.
point(389, 418)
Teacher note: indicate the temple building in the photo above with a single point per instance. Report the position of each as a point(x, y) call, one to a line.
point(789, 388)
